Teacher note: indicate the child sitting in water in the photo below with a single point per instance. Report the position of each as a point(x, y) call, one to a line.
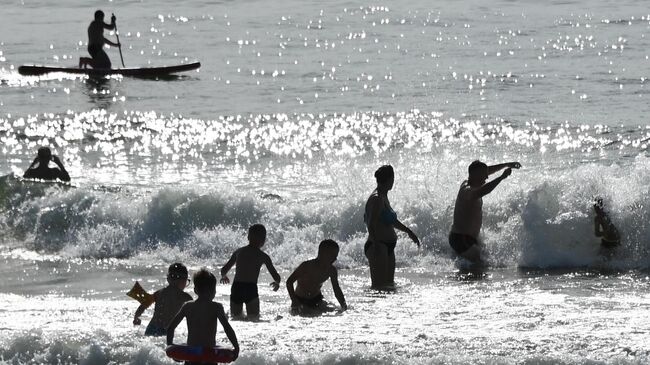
point(168, 301)
point(249, 260)
point(311, 275)
point(605, 229)
point(202, 315)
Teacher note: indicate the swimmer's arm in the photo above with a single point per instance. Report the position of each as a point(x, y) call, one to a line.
point(227, 267)
point(494, 168)
point(63, 173)
point(142, 308)
point(598, 228)
point(273, 272)
point(299, 272)
point(400, 226)
point(338, 293)
point(230, 333)
point(488, 187)
point(174, 323)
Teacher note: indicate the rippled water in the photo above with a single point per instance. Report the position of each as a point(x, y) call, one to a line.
point(295, 105)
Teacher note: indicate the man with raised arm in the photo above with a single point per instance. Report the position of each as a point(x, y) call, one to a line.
point(468, 211)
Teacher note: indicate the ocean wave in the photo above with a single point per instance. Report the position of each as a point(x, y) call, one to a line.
point(542, 220)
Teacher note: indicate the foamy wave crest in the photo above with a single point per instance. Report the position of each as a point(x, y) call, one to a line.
point(534, 219)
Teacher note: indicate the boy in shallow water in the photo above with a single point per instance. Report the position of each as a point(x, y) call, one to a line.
point(168, 301)
point(311, 275)
point(202, 315)
point(249, 259)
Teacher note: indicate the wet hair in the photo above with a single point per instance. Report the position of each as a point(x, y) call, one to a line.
point(476, 166)
point(384, 174)
point(99, 15)
point(327, 245)
point(177, 271)
point(257, 230)
point(44, 154)
point(204, 281)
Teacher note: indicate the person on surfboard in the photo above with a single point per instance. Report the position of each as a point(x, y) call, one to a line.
point(248, 260)
point(96, 41)
point(39, 168)
point(310, 276)
point(168, 301)
point(468, 210)
point(202, 315)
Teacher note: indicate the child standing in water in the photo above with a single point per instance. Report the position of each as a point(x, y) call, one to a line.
point(168, 301)
point(605, 229)
point(311, 275)
point(249, 259)
point(202, 315)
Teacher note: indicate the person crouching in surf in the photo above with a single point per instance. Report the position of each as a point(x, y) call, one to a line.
point(96, 41)
point(605, 229)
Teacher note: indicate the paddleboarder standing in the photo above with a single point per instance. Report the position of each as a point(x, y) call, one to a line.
point(96, 41)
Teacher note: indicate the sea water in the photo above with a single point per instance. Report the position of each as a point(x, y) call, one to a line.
point(295, 106)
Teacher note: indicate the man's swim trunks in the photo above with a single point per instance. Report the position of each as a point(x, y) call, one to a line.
point(390, 246)
point(100, 58)
point(461, 242)
point(154, 330)
point(311, 302)
point(241, 292)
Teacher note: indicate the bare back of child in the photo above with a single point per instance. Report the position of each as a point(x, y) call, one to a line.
point(248, 261)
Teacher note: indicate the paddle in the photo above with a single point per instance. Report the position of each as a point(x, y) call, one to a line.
point(119, 44)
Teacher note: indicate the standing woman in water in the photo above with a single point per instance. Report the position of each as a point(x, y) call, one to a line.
point(381, 221)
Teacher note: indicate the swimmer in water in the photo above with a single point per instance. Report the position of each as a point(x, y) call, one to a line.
point(468, 210)
point(39, 169)
point(605, 229)
point(381, 222)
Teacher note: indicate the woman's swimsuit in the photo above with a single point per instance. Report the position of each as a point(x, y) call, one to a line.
point(388, 217)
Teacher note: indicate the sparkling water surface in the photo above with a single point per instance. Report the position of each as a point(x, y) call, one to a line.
point(295, 105)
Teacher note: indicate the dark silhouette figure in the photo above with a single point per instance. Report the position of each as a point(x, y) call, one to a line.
point(39, 169)
point(605, 229)
point(168, 301)
point(96, 41)
point(310, 276)
point(202, 315)
point(468, 210)
point(381, 221)
point(249, 259)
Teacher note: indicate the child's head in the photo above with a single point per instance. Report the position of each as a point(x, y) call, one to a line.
point(257, 235)
point(328, 250)
point(204, 283)
point(177, 275)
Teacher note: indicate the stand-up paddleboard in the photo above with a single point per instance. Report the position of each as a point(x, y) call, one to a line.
point(139, 294)
point(33, 70)
point(200, 354)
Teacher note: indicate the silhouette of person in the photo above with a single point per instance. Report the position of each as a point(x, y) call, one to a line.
point(39, 168)
point(96, 41)
point(381, 221)
point(468, 210)
point(605, 229)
